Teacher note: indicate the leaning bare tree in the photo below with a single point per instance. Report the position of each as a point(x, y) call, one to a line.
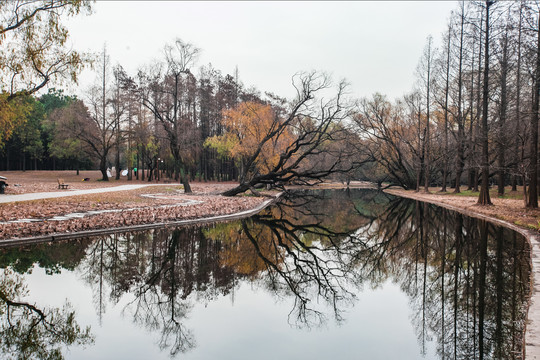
point(304, 142)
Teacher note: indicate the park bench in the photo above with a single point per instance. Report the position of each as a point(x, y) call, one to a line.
point(3, 184)
point(61, 184)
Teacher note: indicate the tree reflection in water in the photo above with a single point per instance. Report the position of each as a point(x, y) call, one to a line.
point(30, 332)
point(467, 280)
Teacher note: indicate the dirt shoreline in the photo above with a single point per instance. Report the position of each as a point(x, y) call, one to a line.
point(93, 205)
point(498, 214)
point(118, 229)
point(123, 209)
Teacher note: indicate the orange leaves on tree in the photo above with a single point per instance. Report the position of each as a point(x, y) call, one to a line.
point(250, 133)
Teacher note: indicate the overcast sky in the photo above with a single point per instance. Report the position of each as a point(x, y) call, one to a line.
point(375, 45)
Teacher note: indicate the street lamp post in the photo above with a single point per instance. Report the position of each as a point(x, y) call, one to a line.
point(162, 168)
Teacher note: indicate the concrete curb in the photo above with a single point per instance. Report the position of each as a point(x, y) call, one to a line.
point(532, 325)
point(79, 234)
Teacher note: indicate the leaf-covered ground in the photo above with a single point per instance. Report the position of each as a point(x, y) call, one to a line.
point(24, 182)
point(108, 210)
point(510, 210)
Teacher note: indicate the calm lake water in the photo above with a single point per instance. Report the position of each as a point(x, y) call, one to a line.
point(332, 274)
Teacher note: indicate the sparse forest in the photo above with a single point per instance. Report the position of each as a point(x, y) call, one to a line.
point(469, 122)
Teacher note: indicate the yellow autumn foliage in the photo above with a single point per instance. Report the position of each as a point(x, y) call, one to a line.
point(249, 132)
point(13, 113)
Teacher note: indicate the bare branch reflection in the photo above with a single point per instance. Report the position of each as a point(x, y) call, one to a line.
point(467, 281)
point(28, 331)
point(308, 254)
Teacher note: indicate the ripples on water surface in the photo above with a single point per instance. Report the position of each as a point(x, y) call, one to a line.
point(331, 274)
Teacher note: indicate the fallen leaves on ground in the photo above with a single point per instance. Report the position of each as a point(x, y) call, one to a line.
point(509, 210)
point(135, 210)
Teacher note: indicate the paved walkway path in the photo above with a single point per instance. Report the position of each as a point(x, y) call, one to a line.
point(59, 194)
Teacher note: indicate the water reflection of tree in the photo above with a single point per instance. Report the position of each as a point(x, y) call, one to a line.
point(286, 249)
point(30, 332)
point(152, 267)
point(466, 279)
point(307, 252)
point(51, 256)
point(160, 301)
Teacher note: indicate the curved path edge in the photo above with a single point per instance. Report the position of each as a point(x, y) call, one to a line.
point(59, 194)
point(79, 234)
point(532, 325)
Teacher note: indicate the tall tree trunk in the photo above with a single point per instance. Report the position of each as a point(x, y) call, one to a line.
point(117, 125)
point(533, 152)
point(428, 100)
point(483, 198)
point(421, 150)
point(460, 159)
point(184, 178)
point(518, 104)
point(446, 93)
point(103, 160)
point(103, 168)
point(474, 128)
point(117, 146)
point(473, 110)
point(501, 144)
point(137, 164)
point(143, 158)
point(117, 162)
point(475, 170)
